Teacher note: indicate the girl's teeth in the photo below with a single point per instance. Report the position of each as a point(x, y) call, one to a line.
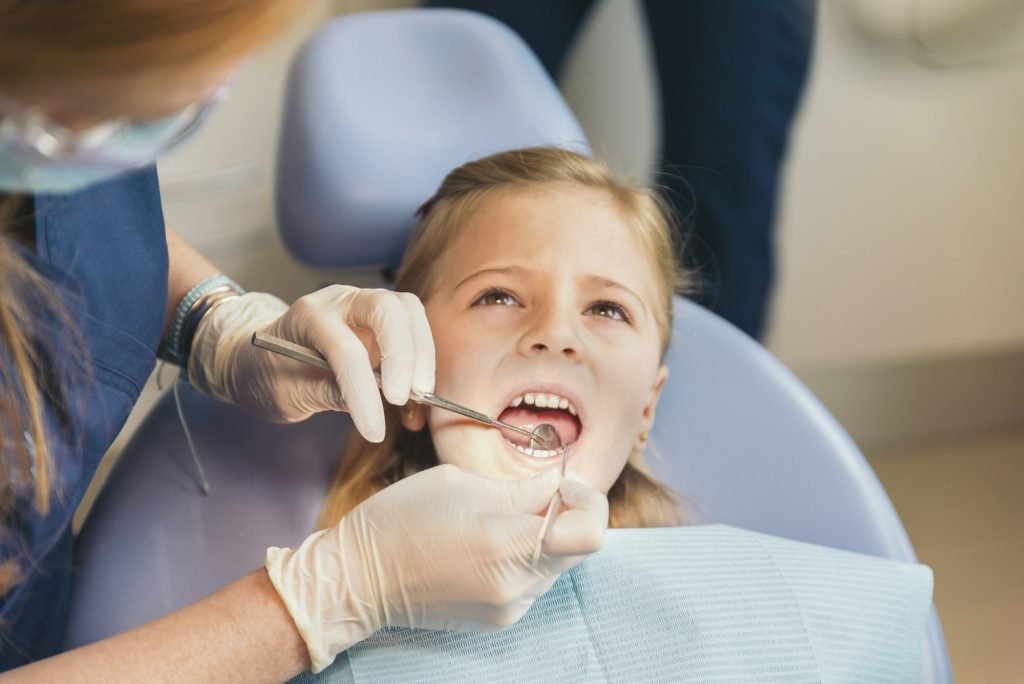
point(530, 451)
point(549, 401)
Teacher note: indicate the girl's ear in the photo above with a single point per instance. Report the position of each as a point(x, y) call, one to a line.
point(652, 403)
point(414, 417)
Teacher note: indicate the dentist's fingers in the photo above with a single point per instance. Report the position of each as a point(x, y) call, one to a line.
point(529, 496)
point(579, 529)
point(385, 314)
point(423, 342)
point(349, 359)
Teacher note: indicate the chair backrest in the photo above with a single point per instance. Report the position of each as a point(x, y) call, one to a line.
point(751, 447)
point(380, 107)
point(744, 443)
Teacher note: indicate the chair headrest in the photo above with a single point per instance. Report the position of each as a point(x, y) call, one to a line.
point(380, 106)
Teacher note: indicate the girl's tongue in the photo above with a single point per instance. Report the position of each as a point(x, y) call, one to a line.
point(566, 425)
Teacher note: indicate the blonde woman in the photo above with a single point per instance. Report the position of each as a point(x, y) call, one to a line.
point(93, 286)
point(548, 286)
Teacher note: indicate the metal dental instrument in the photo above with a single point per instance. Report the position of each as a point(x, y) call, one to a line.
point(549, 516)
point(543, 435)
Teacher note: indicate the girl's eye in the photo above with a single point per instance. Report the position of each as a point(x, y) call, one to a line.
point(608, 310)
point(496, 298)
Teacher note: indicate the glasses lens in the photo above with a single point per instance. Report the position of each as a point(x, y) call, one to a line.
point(115, 143)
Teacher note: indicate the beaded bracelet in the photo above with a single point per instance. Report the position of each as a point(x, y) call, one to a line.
point(193, 306)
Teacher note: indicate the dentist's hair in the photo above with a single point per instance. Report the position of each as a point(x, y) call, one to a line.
point(47, 46)
point(636, 499)
point(53, 43)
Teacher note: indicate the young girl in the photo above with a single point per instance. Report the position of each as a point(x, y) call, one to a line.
point(548, 286)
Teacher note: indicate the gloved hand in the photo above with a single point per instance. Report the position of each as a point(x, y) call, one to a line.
point(353, 328)
point(442, 549)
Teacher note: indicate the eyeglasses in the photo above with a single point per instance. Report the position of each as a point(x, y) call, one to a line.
point(115, 143)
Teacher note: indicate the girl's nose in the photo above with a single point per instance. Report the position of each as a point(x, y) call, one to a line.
point(553, 331)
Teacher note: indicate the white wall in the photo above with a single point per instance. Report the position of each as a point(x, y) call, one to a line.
point(902, 225)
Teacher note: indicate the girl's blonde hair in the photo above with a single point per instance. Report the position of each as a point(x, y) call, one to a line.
point(45, 44)
point(636, 499)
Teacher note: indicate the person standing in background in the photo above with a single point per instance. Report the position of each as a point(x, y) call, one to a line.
point(731, 73)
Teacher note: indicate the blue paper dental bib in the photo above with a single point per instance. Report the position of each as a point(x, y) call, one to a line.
point(702, 604)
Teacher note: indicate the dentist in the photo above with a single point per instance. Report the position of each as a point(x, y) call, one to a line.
point(94, 287)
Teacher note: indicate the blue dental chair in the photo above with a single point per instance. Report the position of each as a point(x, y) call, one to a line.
point(380, 106)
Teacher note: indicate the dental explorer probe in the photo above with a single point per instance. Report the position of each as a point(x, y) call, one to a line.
point(552, 511)
point(543, 434)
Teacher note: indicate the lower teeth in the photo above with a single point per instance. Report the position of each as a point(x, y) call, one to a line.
point(530, 451)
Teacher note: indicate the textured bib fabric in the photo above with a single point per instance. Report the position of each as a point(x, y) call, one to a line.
point(690, 604)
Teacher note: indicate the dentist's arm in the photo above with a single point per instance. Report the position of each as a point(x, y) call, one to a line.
point(468, 569)
point(242, 633)
point(186, 267)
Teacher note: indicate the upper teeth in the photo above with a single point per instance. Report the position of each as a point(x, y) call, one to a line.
point(540, 400)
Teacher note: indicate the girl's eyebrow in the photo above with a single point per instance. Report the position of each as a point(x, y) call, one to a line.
point(504, 270)
point(611, 284)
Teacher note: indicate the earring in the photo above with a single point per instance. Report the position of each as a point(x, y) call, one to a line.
point(410, 413)
point(641, 444)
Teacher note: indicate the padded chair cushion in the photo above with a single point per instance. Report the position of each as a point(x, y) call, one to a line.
point(381, 106)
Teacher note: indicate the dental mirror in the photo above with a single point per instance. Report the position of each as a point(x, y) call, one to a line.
point(545, 436)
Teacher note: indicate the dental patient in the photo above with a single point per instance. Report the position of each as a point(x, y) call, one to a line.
point(548, 286)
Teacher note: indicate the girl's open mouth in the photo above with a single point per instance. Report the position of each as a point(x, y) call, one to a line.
point(531, 409)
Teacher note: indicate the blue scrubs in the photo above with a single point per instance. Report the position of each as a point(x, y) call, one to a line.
point(106, 250)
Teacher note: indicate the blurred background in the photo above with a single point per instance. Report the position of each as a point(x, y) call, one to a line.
point(899, 295)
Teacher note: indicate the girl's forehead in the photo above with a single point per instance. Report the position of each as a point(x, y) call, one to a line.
point(543, 217)
point(550, 230)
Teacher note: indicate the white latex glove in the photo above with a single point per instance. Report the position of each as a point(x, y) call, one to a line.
point(353, 328)
point(442, 549)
